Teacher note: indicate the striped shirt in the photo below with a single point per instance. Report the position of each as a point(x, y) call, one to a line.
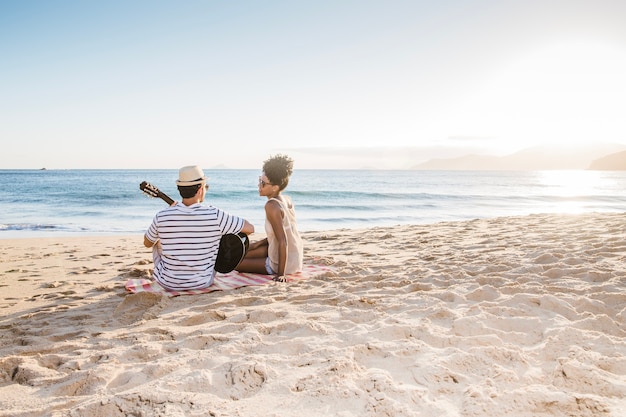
point(190, 238)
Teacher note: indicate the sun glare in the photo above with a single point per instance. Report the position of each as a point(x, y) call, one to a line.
point(569, 185)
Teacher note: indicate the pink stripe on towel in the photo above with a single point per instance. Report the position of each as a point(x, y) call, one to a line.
point(226, 281)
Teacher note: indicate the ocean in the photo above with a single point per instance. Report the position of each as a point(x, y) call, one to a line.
point(41, 203)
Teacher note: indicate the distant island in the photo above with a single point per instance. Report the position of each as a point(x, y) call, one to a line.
point(594, 157)
point(612, 162)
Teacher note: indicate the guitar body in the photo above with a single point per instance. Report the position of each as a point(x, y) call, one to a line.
point(233, 247)
point(232, 250)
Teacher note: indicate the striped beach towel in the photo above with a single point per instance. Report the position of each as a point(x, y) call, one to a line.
point(226, 281)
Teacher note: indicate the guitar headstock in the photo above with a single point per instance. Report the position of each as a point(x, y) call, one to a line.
point(149, 189)
point(152, 191)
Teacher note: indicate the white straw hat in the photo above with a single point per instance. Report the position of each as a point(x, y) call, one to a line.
point(190, 175)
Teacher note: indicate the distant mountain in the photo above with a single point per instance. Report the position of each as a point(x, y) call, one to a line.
point(531, 159)
point(612, 162)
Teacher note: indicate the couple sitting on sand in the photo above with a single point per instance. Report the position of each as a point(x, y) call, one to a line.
point(185, 237)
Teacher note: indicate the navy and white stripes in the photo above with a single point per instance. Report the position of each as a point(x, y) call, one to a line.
point(189, 237)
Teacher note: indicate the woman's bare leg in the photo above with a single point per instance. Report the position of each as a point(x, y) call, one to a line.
point(254, 261)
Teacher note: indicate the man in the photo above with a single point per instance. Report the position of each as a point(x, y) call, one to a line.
point(185, 237)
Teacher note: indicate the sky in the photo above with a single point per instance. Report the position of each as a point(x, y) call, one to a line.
point(334, 84)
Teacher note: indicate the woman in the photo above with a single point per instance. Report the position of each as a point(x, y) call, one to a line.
point(281, 252)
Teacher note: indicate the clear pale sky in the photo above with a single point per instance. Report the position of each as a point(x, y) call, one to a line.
point(388, 84)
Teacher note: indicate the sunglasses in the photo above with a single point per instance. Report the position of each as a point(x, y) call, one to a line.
point(263, 183)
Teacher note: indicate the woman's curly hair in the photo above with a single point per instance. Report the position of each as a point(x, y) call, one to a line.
point(278, 169)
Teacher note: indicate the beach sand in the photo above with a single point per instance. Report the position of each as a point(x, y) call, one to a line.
point(515, 316)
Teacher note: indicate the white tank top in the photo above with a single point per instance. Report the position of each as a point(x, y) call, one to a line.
point(295, 249)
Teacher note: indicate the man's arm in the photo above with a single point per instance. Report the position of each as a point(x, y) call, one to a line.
point(147, 242)
point(248, 228)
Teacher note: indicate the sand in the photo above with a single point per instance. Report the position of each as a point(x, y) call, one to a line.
point(516, 316)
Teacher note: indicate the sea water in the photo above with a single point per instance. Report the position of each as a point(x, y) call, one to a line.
point(39, 203)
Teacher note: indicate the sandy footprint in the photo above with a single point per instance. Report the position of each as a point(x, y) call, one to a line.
point(136, 307)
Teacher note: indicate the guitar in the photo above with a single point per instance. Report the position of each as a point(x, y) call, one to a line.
point(152, 191)
point(233, 247)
